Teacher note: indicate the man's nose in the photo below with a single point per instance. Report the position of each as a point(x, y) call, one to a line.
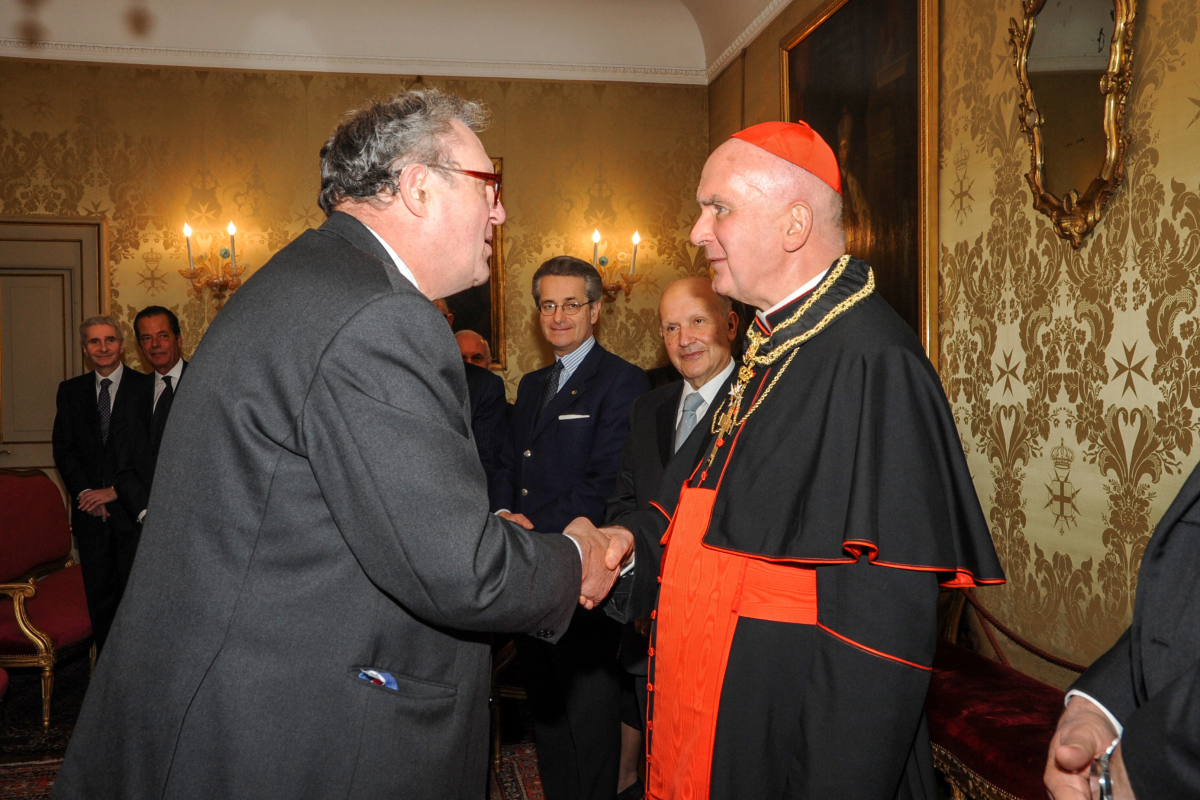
point(498, 214)
point(700, 234)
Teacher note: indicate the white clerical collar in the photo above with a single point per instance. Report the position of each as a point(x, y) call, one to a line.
point(709, 390)
point(396, 259)
point(762, 315)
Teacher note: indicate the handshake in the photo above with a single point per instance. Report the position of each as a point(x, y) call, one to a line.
point(605, 552)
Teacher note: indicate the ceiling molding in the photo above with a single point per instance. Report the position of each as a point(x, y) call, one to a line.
point(159, 56)
point(764, 18)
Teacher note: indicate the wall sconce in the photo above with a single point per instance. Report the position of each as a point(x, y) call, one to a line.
point(617, 280)
point(220, 278)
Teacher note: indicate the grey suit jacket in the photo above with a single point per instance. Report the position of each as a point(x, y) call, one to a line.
point(318, 508)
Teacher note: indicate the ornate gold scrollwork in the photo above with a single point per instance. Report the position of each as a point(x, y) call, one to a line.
point(1075, 215)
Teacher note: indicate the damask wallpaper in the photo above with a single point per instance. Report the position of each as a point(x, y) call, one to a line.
point(1074, 375)
point(152, 148)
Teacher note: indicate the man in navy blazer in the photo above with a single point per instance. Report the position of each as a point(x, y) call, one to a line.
point(569, 427)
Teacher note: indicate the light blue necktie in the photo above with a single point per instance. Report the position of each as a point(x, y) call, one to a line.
point(688, 421)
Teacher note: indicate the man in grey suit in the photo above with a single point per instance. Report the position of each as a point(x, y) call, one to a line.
point(307, 616)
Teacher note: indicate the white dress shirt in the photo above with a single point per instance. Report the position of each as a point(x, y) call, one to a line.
point(160, 386)
point(708, 391)
point(396, 259)
point(762, 315)
point(572, 360)
point(115, 377)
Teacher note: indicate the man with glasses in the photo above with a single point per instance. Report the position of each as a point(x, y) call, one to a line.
point(319, 570)
point(569, 426)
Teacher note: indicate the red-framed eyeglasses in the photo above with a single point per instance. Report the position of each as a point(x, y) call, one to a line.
point(490, 178)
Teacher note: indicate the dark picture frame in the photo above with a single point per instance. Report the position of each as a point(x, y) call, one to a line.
point(863, 74)
point(481, 308)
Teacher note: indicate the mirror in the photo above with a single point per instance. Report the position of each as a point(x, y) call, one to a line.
point(1074, 62)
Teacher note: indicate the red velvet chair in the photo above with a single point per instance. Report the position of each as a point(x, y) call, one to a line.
point(3, 689)
point(43, 610)
point(990, 724)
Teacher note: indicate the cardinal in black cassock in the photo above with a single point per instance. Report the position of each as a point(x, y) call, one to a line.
point(794, 579)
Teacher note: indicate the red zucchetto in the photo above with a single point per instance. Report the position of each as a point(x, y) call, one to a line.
point(799, 144)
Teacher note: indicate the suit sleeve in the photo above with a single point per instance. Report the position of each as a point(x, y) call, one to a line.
point(1110, 679)
point(612, 428)
point(623, 500)
point(489, 423)
point(66, 448)
point(1161, 743)
point(133, 481)
point(384, 431)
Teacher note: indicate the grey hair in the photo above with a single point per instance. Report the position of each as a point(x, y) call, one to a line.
point(102, 319)
point(470, 334)
point(572, 267)
point(365, 154)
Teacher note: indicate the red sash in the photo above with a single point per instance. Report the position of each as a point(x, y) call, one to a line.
point(703, 593)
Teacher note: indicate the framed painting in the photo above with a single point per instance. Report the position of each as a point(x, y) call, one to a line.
point(863, 74)
point(481, 308)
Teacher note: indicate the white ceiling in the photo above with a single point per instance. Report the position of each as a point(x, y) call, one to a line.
point(659, 41)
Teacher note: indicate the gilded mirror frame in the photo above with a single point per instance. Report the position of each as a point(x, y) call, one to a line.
point(1074, 216)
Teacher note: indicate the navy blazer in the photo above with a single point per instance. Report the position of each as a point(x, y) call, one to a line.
point(489, 425)
point(563, 464)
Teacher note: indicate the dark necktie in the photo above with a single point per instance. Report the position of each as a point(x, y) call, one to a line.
point(551, 385)
point(161, 410)
point(104, 405)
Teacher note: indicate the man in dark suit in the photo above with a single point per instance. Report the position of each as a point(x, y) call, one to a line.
point(489, 405)
point(671, 425)
point(1136, 710)
point(161, 344)
point(569, 425)
point(97, 412)
point(307, 616)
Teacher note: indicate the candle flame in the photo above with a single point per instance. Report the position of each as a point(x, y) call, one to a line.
point(187, 229)
point(232, 230)
point(596, 236)
point(636, 238)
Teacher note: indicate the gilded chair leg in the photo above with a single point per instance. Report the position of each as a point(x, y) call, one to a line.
point(47, 691)
point(92, 659)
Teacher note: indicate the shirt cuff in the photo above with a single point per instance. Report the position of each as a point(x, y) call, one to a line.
point(628, 568)
point(577, 547)
point(501, 511)
point(1120, 729)
point(141, 516)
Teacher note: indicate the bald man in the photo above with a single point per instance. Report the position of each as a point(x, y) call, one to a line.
point(474, 348)
point(796, 619)
point(668, 428)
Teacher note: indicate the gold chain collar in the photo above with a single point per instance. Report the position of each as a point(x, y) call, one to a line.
point(726, 418)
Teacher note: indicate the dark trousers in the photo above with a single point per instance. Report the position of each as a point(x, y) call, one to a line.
point(574, 689)
point(106, 558)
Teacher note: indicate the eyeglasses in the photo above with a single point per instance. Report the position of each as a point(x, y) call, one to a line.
point(492, 179)
point(570, 309)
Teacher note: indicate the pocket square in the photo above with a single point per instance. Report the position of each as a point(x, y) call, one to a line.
point(573, 416)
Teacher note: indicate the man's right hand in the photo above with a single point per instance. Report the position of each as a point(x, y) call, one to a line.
point(1083, 734)
point(603, 553)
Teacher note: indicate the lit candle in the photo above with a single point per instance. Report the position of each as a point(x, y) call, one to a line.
point(595, 245)
point(187, 234)
point(232, 250)
point(633, 265)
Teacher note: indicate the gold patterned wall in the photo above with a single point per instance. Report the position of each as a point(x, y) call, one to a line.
point(152, 148)
point(1074, 376)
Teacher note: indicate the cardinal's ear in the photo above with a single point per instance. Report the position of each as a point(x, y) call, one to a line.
point(410, 187)
point(799, 223)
